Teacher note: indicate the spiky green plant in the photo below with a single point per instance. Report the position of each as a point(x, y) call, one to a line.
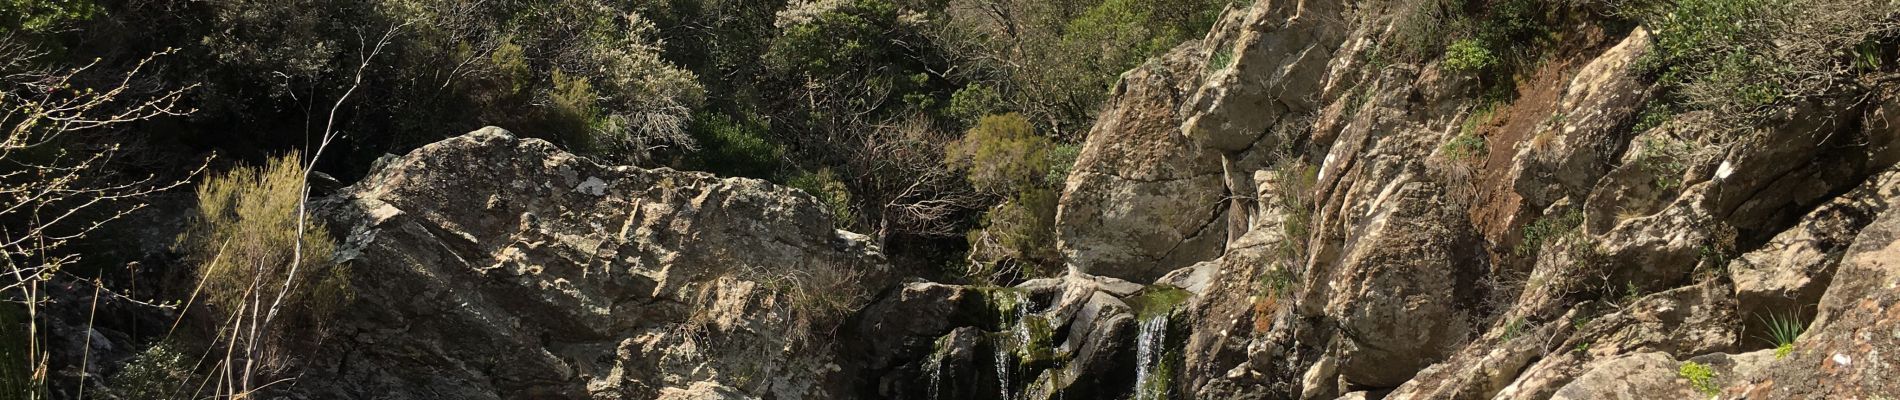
point(1783, 329)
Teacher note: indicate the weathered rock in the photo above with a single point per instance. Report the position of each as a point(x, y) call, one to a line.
point(1406, 290)
point(704, 391)
point(1632, 377)
point(1566, 157)
point(1848, 351)
point(488, 266)
point(1277, 64)
point(1786, 277)
point(1141, 199)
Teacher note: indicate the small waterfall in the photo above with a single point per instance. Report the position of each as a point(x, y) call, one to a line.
point(1019, 332)
point(1150, 346)
point(1002, 371)
point(935, 365)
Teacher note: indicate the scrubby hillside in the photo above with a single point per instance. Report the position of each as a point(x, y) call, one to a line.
point(1317, 199)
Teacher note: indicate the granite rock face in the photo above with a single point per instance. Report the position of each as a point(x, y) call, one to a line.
point(490, 266)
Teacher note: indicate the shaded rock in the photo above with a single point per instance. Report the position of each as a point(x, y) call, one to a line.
point(1786, 277)
point(1848, 350)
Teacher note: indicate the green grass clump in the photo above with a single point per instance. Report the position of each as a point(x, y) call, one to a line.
point(1512, 329)
point(1220, 60)
point(1464, 147)
point(1783, 330)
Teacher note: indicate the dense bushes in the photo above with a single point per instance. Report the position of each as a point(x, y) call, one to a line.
point(854, 100)
point(1737, 56)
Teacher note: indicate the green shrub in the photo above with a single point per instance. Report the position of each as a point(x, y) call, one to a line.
point(572, 112)
point(246, 237)
point(1061, 161)
point(1464, 147)
point(1293, 197)
point(1666, 158)
point(1737, 56)
point(1548, 229)
point(834, 38)
point(1002, 154)
point(41, 16)
point(735, 147)
point(830, 192)
point(1701, 378)
point(1017, 237)
point(1468, 55)
point(974, 101)
point(153, 374)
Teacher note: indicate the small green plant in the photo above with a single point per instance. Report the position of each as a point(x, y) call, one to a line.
point(1666, 159)
point(152, 374)
point(1222, 59)
point(1701, 378)
point(1277, 281)
point(1548, 229)
point(1654, 114)
point(1464, 147)
point(1293, 196)
point(1469, 144)
point(1631, 293)
point(1512, 329)
point(1469, 55)
point(1783, 330)
point(1867, 56)
point(830, 191)
point(1583, 347)
point(1580, 322)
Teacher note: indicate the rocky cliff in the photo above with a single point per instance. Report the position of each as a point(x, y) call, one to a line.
point(1273, 212)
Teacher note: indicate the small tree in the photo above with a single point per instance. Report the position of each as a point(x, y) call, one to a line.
point(53, 191)
point(1004, 157)
point(251, 240)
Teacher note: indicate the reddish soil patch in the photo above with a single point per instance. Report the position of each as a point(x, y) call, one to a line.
point(1498, 211)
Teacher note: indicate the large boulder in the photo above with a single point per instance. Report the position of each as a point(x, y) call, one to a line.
point(1142, 199)
point(1405, 293)
point(488, 266)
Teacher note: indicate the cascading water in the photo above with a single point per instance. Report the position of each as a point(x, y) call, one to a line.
point(1150, 346)
point(935, 365)
point(1019, 332)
